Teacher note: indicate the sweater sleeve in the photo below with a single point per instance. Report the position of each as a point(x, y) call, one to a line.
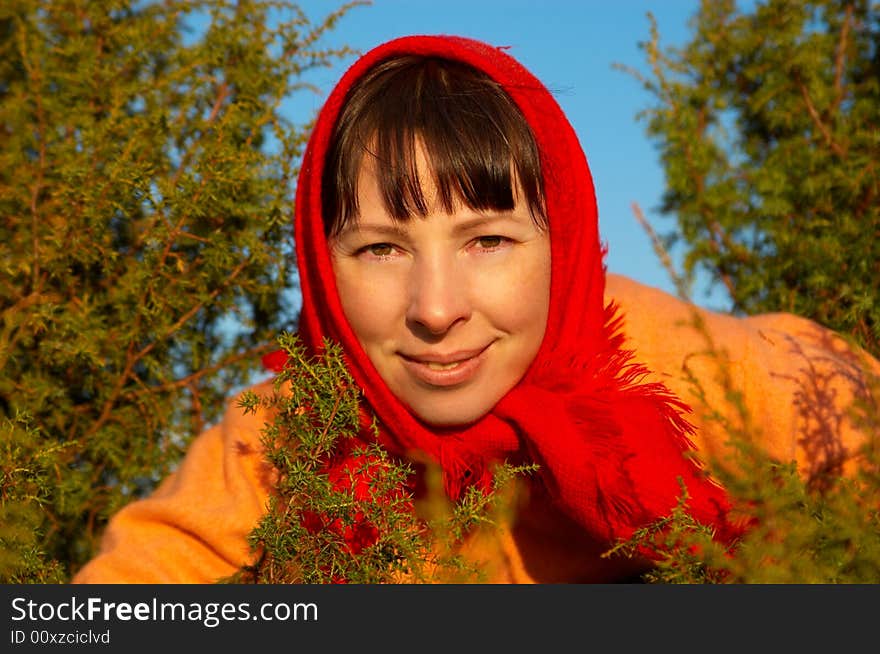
point(800, 384)
point(193, 528)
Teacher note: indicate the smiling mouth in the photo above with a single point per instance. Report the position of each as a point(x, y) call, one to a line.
point(445, 369)
point(437, 361)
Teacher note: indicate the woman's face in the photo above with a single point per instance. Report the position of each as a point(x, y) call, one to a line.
point(450, 308)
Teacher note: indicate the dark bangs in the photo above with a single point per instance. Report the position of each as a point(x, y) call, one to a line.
point(477, 142)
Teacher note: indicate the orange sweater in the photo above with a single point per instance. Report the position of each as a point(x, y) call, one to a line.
point(796, 378)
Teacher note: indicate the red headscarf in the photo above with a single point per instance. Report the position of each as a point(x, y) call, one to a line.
point(610, 450)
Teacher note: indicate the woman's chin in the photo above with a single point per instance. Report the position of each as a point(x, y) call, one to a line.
point(453, 409)
point(449, 417)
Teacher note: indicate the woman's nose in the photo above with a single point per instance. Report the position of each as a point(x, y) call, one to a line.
point(438, 296)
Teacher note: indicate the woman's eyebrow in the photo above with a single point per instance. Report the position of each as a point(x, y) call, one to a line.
point(483, 221)
point(394, 231)
point(386, 230)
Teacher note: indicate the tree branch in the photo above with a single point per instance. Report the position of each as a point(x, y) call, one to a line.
point(817, 120)
point(840, 59)
point(133, 357)
point(194, 309)
point(34, 78)
point(183, 382)
point(223, 92)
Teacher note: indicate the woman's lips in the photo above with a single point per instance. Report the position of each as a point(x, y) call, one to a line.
point(445, 370)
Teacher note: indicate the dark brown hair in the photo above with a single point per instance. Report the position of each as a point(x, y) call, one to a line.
point(479, 146)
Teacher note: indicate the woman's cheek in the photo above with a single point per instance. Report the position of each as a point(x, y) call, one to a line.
point(372, 298)
point(517, 279)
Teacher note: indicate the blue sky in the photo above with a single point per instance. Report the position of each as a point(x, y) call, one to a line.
point(571, 45)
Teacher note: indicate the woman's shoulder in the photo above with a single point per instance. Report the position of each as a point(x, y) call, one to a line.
point(797, 380)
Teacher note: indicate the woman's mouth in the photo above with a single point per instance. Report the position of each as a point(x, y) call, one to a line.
point(442, 366)
point(436, 369)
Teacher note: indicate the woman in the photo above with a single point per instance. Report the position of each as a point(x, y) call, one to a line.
point(447, 238)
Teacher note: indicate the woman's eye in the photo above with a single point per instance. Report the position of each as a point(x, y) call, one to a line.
point(490, 242)
point(379, 249)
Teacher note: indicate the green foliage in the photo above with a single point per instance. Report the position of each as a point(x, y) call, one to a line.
point(797, 535)
point(682, 549)
point(145, 253)
point(25, 483)
point(768, 127)
point(344, 511)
